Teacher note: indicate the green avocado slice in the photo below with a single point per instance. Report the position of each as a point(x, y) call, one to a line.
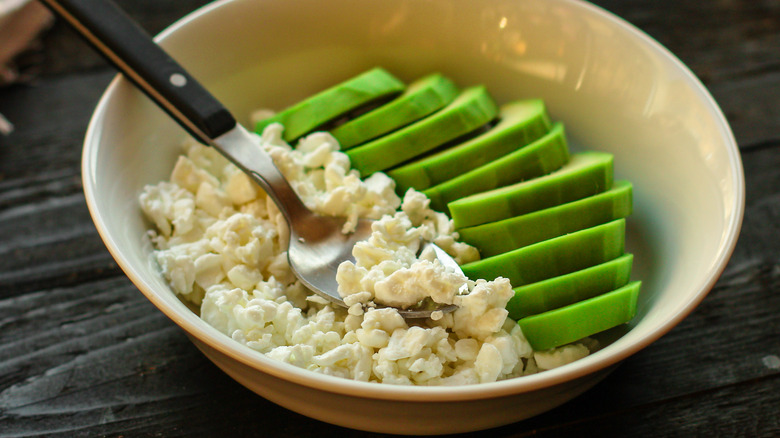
point(563, 290)
point(539, 158)
point(586, 174)
point(520, 123)
point(472, 109)
point(585, 318)
point(505, 235)
point(329, 104)
point(420, 99)
point(553, 257)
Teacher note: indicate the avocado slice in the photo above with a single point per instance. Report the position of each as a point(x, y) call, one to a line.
point(553, 257)
point(585, 318)
point(586, 174)
point(563, 290)
point(420, 99)
point(520, 123)
point(505, 235)
point(329, 104)
point(472, 109)
point(539, 158)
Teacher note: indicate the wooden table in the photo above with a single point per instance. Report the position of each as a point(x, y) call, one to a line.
point(83, 353)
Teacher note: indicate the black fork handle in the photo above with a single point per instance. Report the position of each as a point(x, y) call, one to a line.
point(115, 35)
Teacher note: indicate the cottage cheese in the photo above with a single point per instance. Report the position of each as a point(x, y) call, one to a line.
point(220, 243)
point(387, 269)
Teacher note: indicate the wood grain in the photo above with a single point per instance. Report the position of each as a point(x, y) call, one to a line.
point(83, 353)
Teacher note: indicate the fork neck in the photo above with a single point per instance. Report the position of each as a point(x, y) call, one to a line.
point(243, 150)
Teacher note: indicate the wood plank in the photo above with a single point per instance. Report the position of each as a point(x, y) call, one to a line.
point(101, 339)
point(65, 52)
point(50, 119)
point(745, 43)
point(49, 242)
point(46, 235)
point(747, 409)
point(83, 353)
point(750, 105)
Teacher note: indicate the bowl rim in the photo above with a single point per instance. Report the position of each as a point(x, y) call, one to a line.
point(608, 356)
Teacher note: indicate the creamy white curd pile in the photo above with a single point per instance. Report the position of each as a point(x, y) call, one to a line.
point(221, 244)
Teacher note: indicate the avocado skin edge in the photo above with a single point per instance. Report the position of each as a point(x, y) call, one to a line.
point(539, 158)
point(519, 123)
point(304, 116)
point(472, 109)
point(585, 318)
point(566, 289)
point(586, 174)
point(421, 98)
point(515, 232)
point(551, 258)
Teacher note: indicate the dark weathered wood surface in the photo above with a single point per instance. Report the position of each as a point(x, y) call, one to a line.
point(82, 353)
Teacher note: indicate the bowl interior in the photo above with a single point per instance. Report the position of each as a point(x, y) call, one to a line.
point(614, 89)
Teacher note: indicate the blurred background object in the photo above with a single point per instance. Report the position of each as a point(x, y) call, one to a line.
point(21, 22)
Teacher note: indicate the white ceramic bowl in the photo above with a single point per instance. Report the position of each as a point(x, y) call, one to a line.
point(615, 89)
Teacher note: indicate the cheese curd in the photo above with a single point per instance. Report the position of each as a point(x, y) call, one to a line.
point(387, 269)
point(221, 244)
